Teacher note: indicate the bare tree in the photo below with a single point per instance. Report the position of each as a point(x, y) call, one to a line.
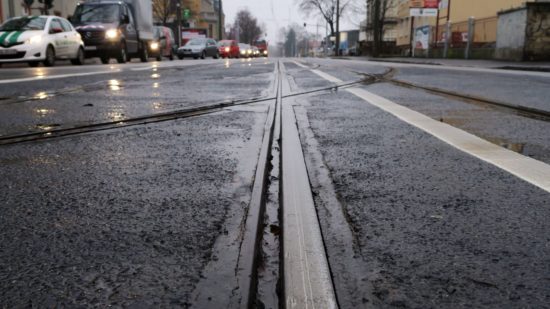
point(326, 9)
point(246, 28)
point(294, 40)
point(378, 10)
point(165, 10)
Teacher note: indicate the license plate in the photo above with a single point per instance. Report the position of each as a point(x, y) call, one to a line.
point(8, 51)
point(90, 47)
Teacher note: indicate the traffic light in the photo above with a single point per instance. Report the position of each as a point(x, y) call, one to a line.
point(186, 14)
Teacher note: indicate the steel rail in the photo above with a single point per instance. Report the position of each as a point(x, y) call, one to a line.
point(524, 111)
point(153, 118)
point(516, 109)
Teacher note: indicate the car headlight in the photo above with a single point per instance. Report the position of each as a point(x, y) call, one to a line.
point(243, 52)
point(154, 46)
point(227, 49)
point(111, 34)
point(34, 40)
point(265, 52)
point(249, 51)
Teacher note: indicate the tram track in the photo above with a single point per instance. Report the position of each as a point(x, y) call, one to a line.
point(515, 109)
point(510, 108)
point(155, 118)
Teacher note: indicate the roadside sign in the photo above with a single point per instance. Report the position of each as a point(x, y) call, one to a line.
point(431, 4)
point(422, 37)
point(423, 12)
point(424, 4)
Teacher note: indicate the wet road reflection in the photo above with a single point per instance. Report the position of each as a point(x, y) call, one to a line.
point(41, 95)
point(143, 92)
point(114, 85)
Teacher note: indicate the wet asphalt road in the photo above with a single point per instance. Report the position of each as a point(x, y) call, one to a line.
point(139, 216)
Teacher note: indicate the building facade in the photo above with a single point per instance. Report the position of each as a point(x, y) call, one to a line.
point(12, 8)
point(205, 16)
point(389, 10)
point(457, 13)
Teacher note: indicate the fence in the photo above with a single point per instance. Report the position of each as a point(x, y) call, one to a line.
point(482, 44)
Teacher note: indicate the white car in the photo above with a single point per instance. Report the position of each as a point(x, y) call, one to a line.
point(36, 39)
point(245, 50)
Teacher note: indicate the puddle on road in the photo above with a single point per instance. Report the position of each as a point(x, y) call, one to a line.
point(41, 95)
point(42, 112)
point(115, 116)
point(462, 123)
point(47, 127)
point(157, 105)
point(114, 85)
point(517, 147)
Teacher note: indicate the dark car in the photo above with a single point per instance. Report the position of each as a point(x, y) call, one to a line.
point(229, 49)
point(114, 29)
point(164, 44)
point(200, 47)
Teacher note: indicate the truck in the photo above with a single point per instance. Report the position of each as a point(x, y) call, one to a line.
point(115, 29)
point(261, 44)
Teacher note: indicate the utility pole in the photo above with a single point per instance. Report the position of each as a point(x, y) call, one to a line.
point(11, 9)
point(376, 28)
point(178, 20)
point(337, 27)
point(220, 20)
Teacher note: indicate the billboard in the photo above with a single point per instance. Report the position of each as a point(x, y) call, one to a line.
point(431, 4)
point(422, 37)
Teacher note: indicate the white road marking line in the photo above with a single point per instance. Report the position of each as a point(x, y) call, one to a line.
point(45, 77)
point(528, 169)
point(308, 283)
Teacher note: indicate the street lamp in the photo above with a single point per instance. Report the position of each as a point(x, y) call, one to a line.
point(220, 34)
point(178, 18)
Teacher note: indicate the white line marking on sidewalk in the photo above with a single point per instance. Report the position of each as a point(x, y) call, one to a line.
point(528, 169)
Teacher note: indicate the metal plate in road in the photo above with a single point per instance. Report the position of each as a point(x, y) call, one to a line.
point(307, 278)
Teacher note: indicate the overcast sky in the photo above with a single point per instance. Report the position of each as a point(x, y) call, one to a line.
point(280, 13)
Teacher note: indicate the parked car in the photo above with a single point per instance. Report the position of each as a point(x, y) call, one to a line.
point(229, 49)
point(164, 43)
point(35, 39)
point(115, 29)
point(200, 47)
point(245, 50)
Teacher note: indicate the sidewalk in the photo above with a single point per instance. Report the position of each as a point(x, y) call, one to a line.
point(488, 64)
